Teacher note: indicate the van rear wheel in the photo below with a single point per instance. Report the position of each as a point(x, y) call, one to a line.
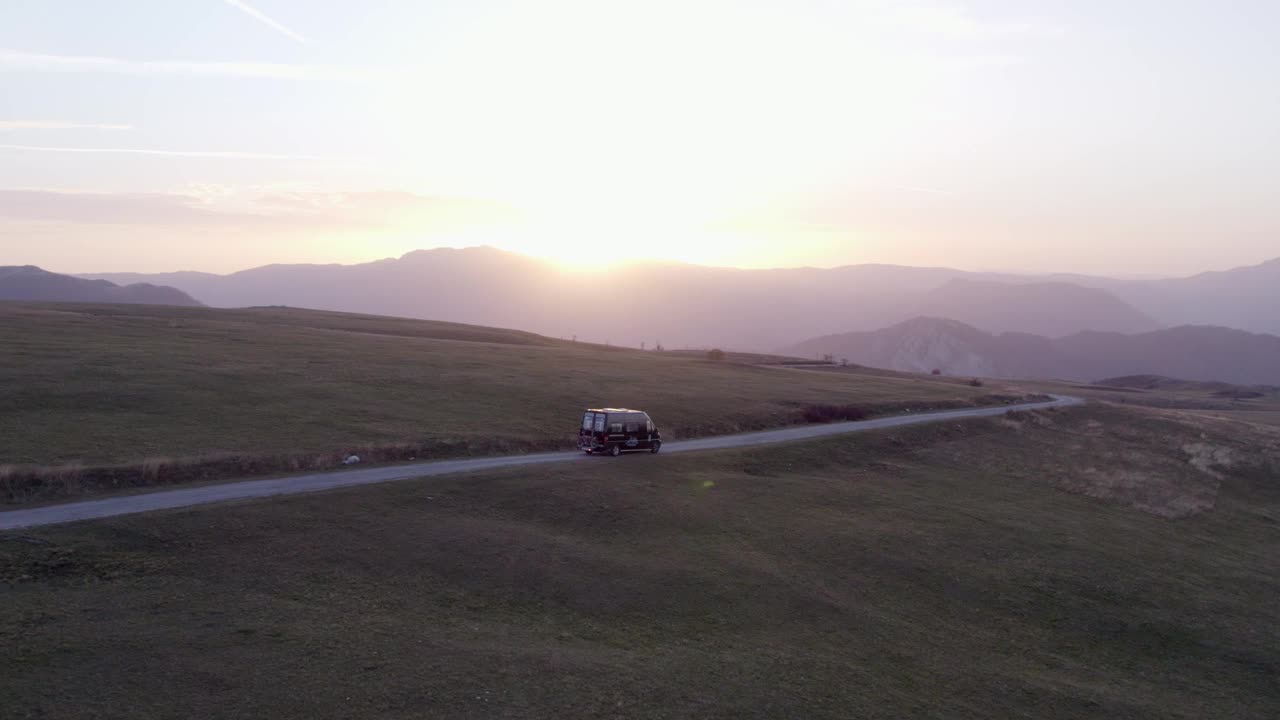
point(615, 450)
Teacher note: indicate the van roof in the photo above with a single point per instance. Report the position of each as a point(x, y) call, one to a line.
point(612, 410)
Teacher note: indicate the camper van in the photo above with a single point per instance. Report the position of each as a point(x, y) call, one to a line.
point(617, 430)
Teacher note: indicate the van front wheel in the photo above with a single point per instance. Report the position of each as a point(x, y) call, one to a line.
point(615, 450)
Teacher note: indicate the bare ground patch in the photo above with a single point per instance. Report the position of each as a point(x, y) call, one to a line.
point(1167, 463)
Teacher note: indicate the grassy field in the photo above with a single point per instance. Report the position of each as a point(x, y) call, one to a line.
point(1189, 397)
point(1258, 417)
point(268, 390)
point(1021, 567)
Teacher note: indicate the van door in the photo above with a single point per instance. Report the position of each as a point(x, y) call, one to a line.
point(635, 429)
point(600, 431)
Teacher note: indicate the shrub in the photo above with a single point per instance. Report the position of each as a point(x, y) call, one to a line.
point(716, 355)
point(975, 382)
point(936, 371)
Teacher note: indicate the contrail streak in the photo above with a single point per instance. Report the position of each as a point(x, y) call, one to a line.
point(265, 19)
point(166, 153)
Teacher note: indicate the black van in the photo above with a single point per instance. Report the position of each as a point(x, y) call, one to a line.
point(615, 430)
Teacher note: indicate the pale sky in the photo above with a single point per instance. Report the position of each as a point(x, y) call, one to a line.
point(1136, 137)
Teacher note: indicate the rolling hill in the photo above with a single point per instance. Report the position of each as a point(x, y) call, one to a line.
point(1054, 309)
point(678, 305)
point(1244, 298)
point(1201, 353)
point(1022, 567)
point(27, 282)
point(135, 394)
point(756, 310)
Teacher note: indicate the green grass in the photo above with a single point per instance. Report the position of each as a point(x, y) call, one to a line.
point(138, 385)
point(936, 571)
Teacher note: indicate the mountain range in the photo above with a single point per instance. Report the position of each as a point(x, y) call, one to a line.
point(1189, 352)
point(1203, 327)
point(760, 310)
point(27, 282)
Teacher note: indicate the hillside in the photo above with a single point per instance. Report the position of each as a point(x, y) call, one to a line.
point(677, 305)
point(178, 394)
point(1053, 309)
point(1240, 298)
point(1219, 389)
point(925, 344)
point(30, 283)
point(1244, 298)
point(753, 310)
point(1019, 567)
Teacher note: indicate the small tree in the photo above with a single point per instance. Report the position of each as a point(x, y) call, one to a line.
point(716, 355)
point(658, 347)
point(844, 362)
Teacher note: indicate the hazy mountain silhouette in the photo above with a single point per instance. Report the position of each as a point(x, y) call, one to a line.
point(1245, 298)
point(27, 282)
point(1045, 308)
point(680, 305)
point(1190, 352)
point(1241, 298)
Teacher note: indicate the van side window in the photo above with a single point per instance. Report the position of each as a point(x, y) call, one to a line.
point(599, 422)
point(615, 427)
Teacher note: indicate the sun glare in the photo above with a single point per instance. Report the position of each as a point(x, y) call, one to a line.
point(570, 113)
point(578, 246)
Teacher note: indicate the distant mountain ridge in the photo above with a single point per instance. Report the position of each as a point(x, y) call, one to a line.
point(1246, 298)
point(1053, 308)
point(1200, 353)
point(678, 305)
point(28, 282)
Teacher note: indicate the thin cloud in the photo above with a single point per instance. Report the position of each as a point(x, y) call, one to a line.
point(16, 61)
point(265, 19)
point(165, 153)
point(922, 189)
point(231, 207)
point(958, 22)
point(57, 125)
point(979, 62)
point(142, 209)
